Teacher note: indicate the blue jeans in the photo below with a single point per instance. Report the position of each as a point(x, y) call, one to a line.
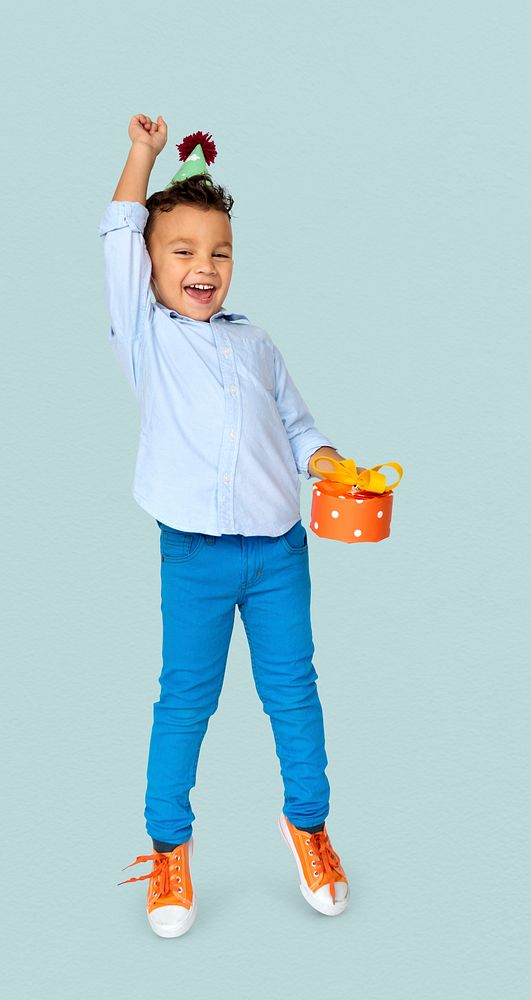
point(203, 577)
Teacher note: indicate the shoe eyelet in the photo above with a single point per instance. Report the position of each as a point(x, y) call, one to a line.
point(179, 889)
point(177, 868)
point(178, 879)
point(314, 863)
point(306, 841)
point(310, 852)
point(315, 874)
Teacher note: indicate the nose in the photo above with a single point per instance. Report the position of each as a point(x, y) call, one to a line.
point(206, 268)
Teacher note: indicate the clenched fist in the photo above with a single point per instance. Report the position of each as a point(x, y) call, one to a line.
point(153, 134)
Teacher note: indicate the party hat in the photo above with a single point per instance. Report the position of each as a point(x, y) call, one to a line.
point(197, 150)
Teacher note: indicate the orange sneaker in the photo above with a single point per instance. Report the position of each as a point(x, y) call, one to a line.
point(171, 900)
point(322, 881)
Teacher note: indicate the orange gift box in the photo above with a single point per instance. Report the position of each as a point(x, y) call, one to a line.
point(352, 506)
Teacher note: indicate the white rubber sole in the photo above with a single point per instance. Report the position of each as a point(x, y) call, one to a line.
point(330, 909)
point(172, 930)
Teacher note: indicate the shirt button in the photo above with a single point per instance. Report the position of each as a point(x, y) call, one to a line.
point(232, 390)
point(226, 351)
point(226, 477)
point(232, 435)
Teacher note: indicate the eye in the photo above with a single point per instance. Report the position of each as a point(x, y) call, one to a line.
point(215, 255)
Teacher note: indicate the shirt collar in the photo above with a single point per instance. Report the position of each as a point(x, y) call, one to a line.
point(223, 313)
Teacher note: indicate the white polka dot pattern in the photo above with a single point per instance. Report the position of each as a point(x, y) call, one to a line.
point(355, 516)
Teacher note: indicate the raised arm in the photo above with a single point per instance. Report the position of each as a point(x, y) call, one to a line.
point(127, 262)
point(148, 139)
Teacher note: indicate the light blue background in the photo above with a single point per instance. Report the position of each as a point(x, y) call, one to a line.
point(378, 154)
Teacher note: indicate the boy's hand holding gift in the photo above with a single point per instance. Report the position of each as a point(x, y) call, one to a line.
point(351, 503)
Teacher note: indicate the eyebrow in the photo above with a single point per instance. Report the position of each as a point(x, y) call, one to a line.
point(184, 239)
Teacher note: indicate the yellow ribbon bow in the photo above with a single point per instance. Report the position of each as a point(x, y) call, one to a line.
point(346, 474)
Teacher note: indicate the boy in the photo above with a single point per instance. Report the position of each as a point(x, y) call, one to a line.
point(224, 435)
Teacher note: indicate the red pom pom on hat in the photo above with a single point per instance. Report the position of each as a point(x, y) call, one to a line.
point(190, 142)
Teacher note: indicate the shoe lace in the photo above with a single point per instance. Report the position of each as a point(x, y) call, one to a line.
point(327, 861)
point(161, 874)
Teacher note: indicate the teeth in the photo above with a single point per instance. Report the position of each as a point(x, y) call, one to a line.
point(204, 287)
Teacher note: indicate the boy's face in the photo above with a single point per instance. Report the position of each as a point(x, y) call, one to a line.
point(191, 245)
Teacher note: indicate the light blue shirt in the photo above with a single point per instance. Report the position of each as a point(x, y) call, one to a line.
point(224, 431)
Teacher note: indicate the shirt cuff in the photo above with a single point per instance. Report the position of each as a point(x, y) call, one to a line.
point(119, 214)
point(322, 442)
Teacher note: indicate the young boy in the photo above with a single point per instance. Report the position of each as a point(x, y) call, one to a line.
point(224, 435)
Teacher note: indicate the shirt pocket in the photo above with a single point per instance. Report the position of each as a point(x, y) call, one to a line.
point(255, 359)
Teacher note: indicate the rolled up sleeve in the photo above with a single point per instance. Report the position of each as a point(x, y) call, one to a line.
point(304, 436)
point(127, 281)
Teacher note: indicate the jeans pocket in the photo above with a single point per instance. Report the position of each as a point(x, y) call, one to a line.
point(295, 538)
point(179, 546)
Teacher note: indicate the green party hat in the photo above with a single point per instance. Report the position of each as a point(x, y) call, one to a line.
point(198, 151)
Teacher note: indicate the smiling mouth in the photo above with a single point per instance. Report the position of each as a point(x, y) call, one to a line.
point(202, 295)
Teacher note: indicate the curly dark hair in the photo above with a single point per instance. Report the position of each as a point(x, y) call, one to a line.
point(198, 190)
